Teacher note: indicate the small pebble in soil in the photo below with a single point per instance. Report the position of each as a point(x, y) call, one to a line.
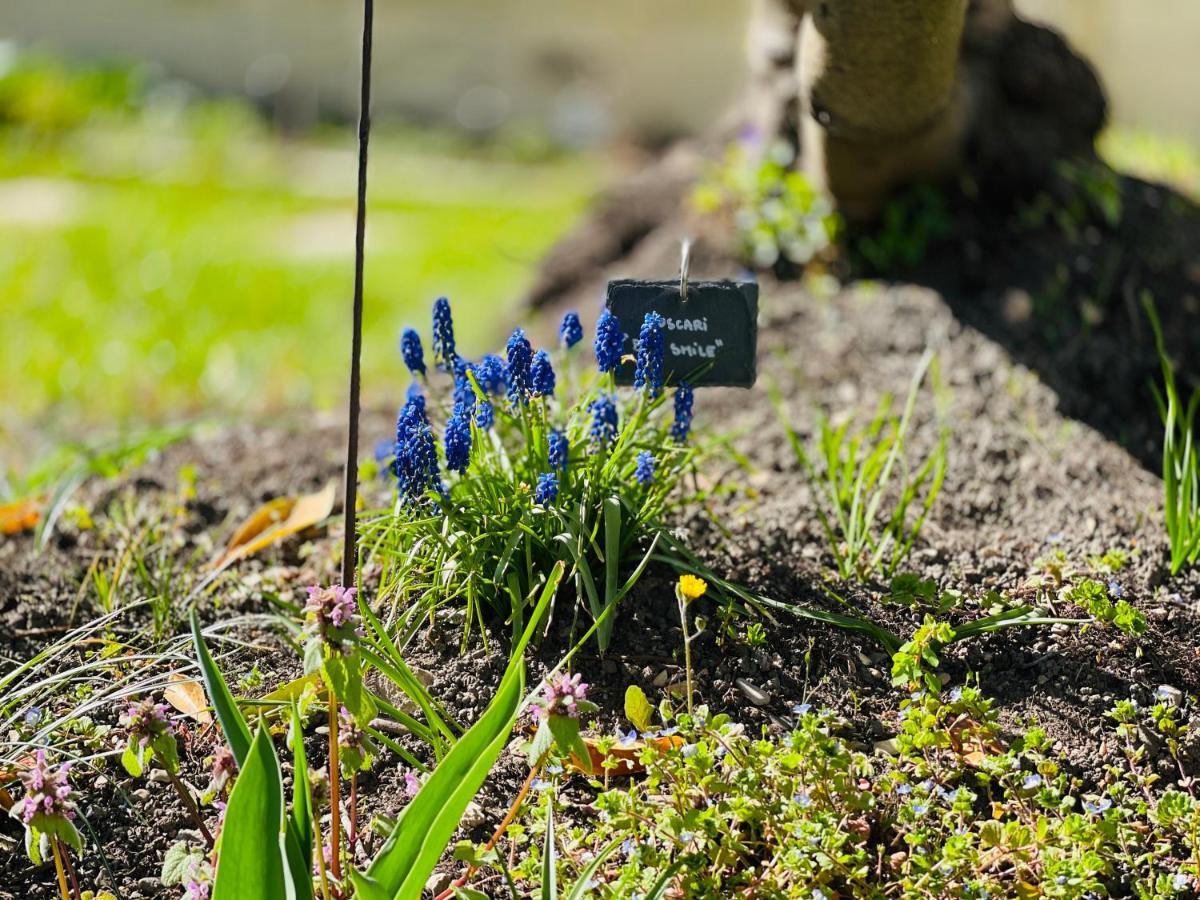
point(753, 692)
point(1166, 693)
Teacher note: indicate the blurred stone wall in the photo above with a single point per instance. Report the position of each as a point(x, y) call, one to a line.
point(584, 72)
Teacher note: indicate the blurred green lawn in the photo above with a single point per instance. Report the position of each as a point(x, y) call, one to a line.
point(188, 260)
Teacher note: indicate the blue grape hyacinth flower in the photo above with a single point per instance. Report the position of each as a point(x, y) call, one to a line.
point(542, 375)
point(570, 332)
point(464, 394)
point(518, 370)
point(558, 450)
point(490, 374)
point(610, 341)
point(416, 462)
point(485, 415)
point(648, 376)
point(458, 440)
point(646, 468)
point(412, 351)
point(604, 421)
point(684, 397)
point(444, 351)
point(546, 491)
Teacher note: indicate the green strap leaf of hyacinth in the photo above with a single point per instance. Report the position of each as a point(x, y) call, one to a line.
point(251, 862)
point(403, 865)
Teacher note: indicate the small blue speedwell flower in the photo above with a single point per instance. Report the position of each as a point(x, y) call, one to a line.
point(570, 332)
point(609, 342)
point(648, 376)
point(412, 351)
point(444, 351)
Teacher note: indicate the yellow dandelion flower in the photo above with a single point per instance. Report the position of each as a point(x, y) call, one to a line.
point(691, 587)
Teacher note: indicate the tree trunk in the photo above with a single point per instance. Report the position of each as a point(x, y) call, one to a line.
point(897, 91)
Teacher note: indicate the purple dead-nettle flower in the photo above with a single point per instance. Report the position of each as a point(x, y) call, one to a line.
point(198, 890)
point(610, 341)
point(651, 345)
point(224, 768)
point(331, 616)
point(563, 696)
point(412, 783)
point(412, 351)
point(350, 736)
point(570, 332)
point(518, 370)
point(682, 426)
point(542, 374)
point(444, 351)
point(48, 793)
point(147, 721)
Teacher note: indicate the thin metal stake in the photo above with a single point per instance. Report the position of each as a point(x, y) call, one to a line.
point(350, 547)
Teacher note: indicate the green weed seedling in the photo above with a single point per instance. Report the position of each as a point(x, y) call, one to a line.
point(1181, 466)
point(853, 471)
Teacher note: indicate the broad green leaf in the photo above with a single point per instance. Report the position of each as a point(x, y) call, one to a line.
point(612, 563)
point(637, 708)
point(251, 862)
point(300, 817)
point(237, 733)
point(566, 735)
point(407, 858)
point(131, 759)
point(549, 860)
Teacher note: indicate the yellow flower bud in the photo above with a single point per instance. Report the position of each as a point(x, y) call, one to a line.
point(690, 587)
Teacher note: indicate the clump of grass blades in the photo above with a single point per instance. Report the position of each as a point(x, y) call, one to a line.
point(1181, 467)
point(854, 472)
point(540, 468)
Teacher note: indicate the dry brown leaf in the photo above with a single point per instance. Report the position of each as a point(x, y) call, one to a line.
point(20, 516)
point(188, 697)
point(276, 520)
point(6, 800)
point(626, 756)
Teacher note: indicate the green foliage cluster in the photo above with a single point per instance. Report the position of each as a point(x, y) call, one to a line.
point(870, 499)
point(780, 218)
point(951, 810)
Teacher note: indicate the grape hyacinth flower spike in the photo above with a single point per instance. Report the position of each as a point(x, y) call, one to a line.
point(604, 421)
point(444, 350)
point(570, 332)
point(646, 467)
point(416, 462)
point(458, 439)
point(648, 376)
point(542, 374)
point(546, 491)
point(609, 342)
point(518, 370)
point(684, 397)
point(412, 351)
point(490, 373)
point(558, 450)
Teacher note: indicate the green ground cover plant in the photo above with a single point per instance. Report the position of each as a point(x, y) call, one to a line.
point(952, 810)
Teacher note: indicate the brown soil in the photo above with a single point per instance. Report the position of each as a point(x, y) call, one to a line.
point(1025, 478)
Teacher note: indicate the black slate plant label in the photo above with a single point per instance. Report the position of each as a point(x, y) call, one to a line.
point(711, 338)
